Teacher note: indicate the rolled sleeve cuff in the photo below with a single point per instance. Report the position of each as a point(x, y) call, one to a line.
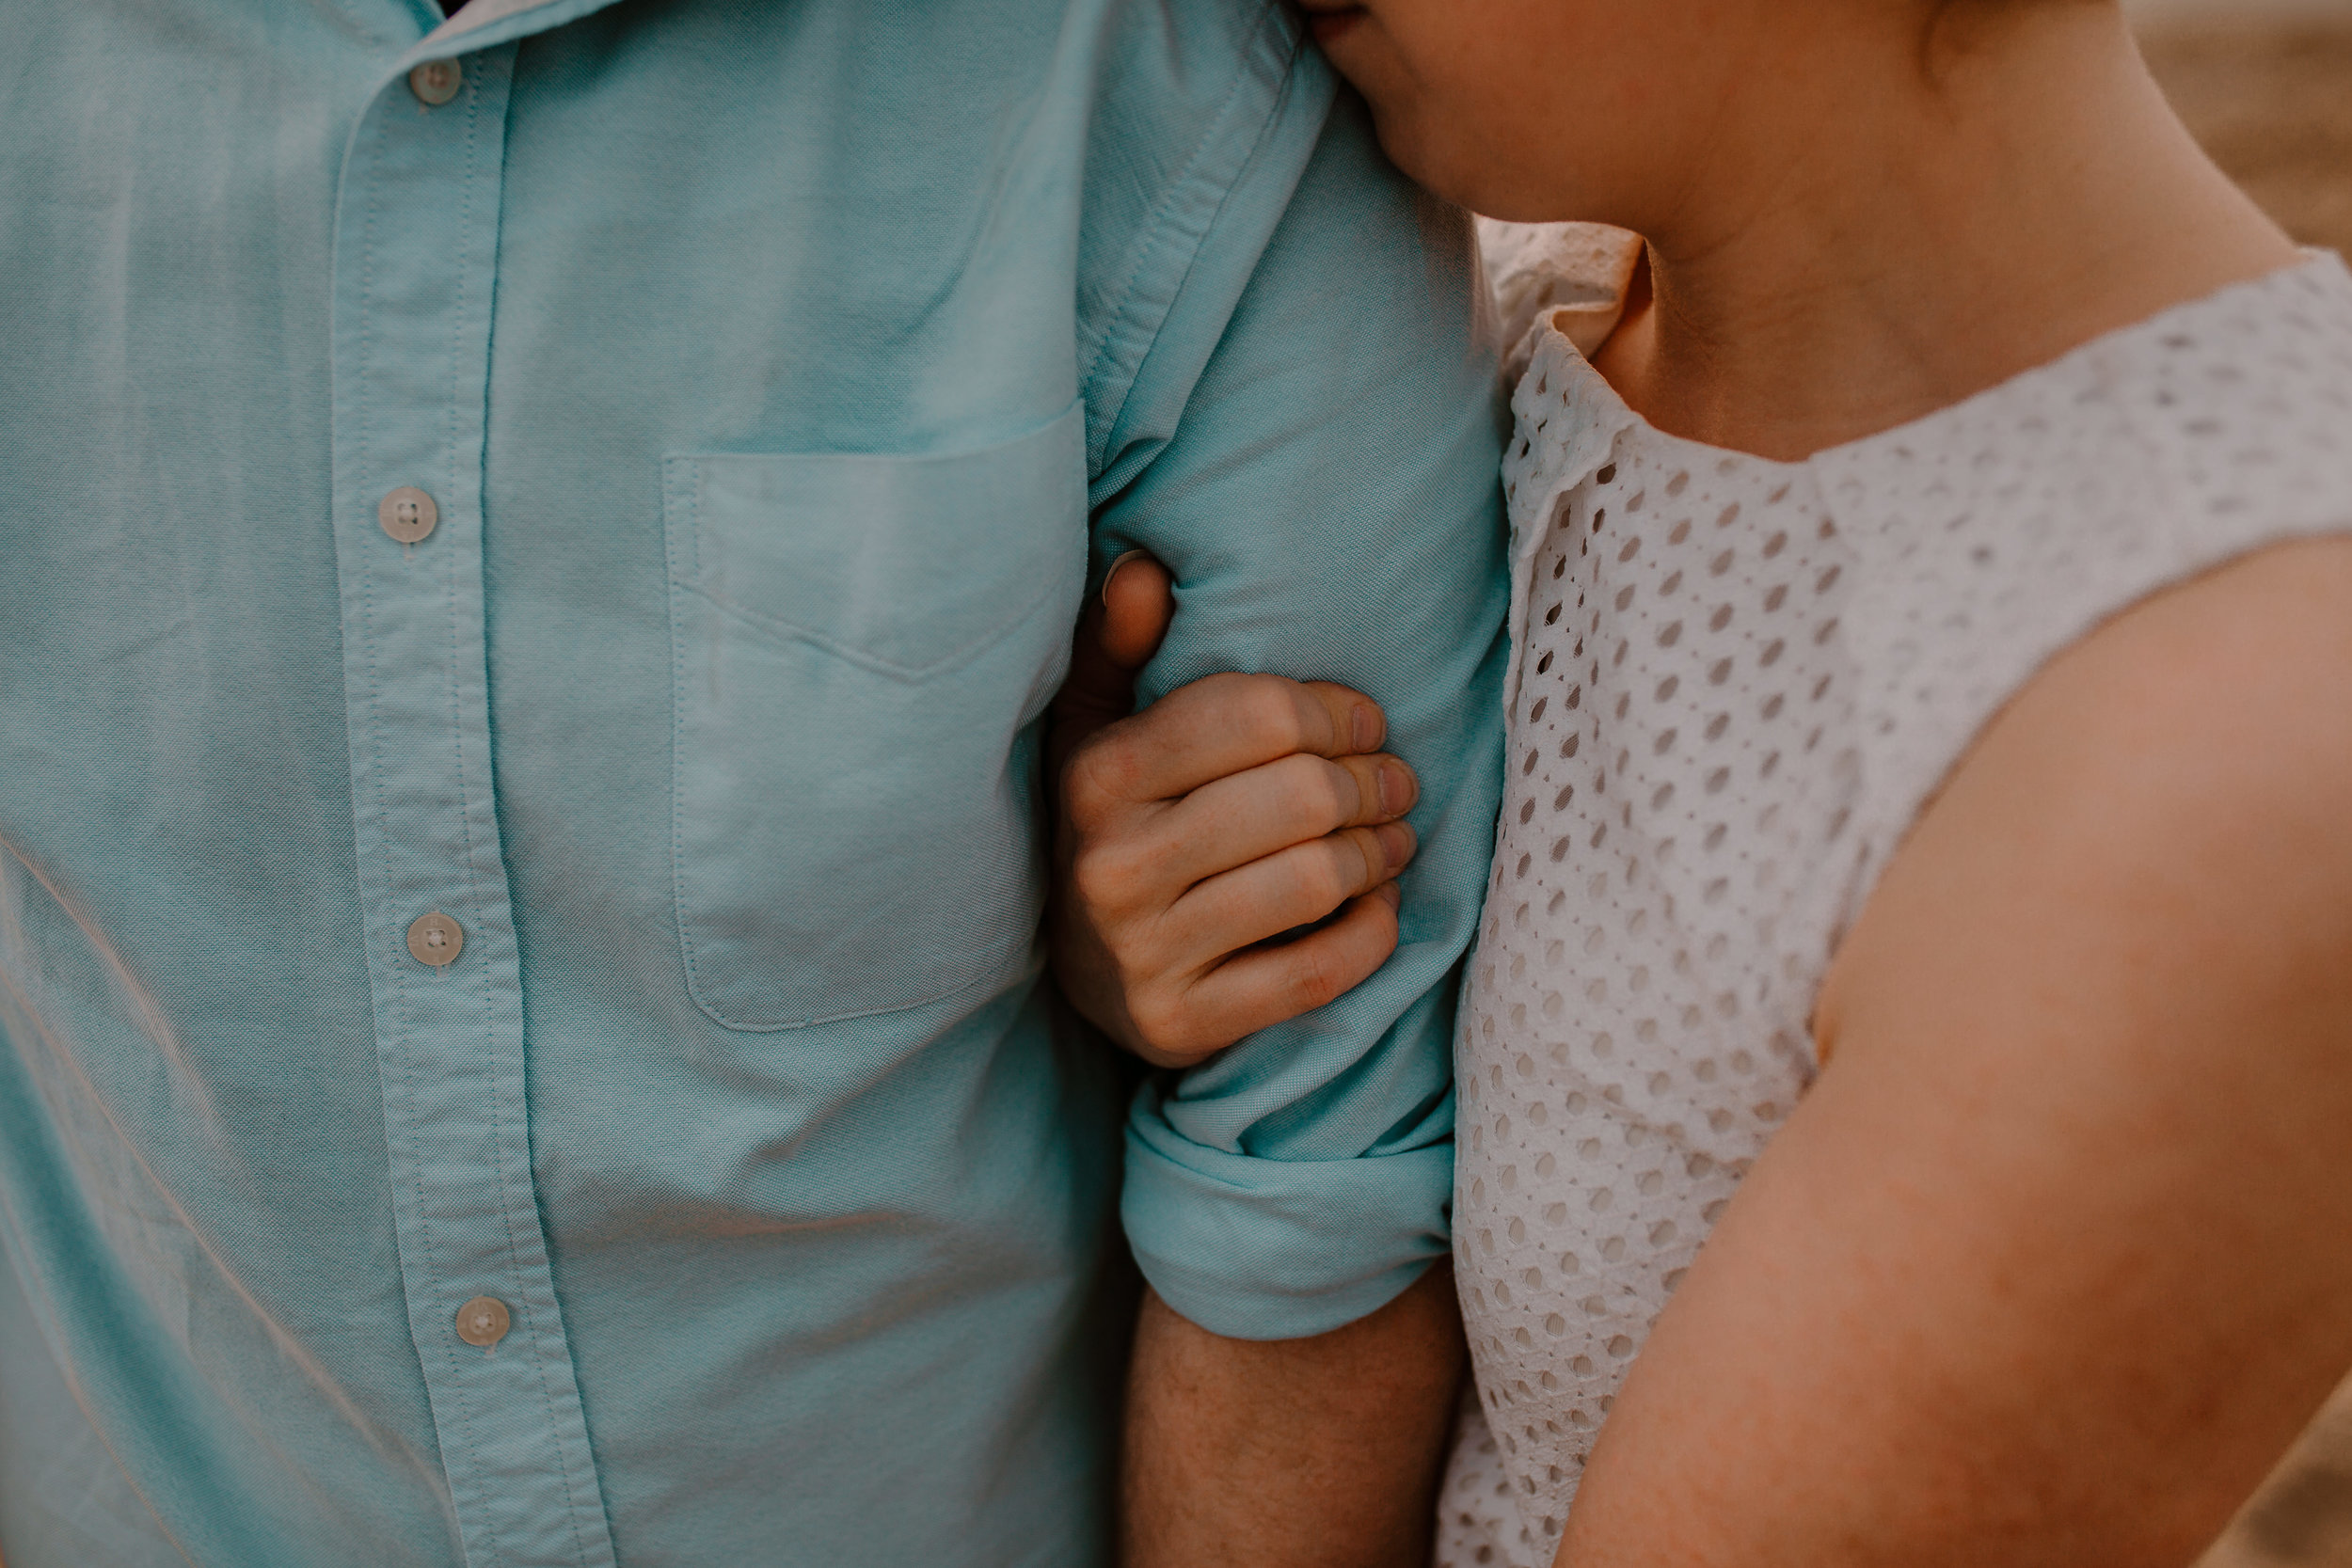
point(1259, 1248)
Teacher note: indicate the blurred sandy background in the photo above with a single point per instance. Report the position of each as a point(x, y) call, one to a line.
point(2266, 86)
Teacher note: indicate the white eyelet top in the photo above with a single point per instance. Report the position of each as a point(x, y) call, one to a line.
point(1734, 683)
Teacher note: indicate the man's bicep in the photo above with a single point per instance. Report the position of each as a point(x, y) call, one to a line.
point(1327, 493)
point(1328, 502)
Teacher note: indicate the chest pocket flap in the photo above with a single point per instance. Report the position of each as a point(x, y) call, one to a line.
point(861, 647)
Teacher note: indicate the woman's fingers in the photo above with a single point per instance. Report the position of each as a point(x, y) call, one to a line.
point(1155, 855)
point(1117, 636)
point(1235, 810)
point(1232, 821)
point(1264, 986)
point(1219, 725)
point(1281, 892)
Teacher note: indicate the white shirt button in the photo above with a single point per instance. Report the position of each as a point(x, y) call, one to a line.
point(407, 515)
point(437, 82)
point(482, 1322)
point(436, 939)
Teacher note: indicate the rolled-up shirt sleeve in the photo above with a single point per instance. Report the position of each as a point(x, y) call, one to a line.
point(1310, 445)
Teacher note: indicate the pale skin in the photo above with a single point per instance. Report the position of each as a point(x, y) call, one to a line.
point(2048, 1268)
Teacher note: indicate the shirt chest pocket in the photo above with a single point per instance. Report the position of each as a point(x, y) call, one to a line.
point(861, 647)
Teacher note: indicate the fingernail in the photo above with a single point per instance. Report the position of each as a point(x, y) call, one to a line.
point(1124, 556)
point(1366, 722)
point(1396, 843)
point(1389, 894)
point(1396, 789)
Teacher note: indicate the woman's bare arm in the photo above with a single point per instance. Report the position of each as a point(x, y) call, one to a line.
point(2056, 1256)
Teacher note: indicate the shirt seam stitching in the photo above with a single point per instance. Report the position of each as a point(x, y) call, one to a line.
point(1161, 233)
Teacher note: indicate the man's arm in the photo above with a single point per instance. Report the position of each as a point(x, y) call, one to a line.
point(1323, 394)
point(1229, 1450)
point(1323, 1452)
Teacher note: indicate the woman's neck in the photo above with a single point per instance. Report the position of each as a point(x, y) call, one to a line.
point(1859, 256)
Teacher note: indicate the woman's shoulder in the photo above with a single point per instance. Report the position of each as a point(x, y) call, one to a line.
point(2156, 819)
point(1994, 535)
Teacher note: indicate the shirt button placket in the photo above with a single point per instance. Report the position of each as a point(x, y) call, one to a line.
point(416, 248)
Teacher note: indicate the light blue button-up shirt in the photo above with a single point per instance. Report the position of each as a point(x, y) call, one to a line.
point(774, 372)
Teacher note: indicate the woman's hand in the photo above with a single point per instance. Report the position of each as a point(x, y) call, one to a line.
point(1193, 836)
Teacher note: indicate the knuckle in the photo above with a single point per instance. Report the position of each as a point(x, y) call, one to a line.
point(1267, 708)
point(1323, 879)
point(1165, 1028)
point(1221, 688)
point(1316, 791)
point(1338, 792)
point(1081, 812)
point(1085, 795)
point(1150, 1018)
point(1104, 876)
point(1363, 788)
point(1230, 698)
point(1314, 982)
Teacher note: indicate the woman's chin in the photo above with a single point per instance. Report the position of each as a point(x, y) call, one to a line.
point(1443, 170)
